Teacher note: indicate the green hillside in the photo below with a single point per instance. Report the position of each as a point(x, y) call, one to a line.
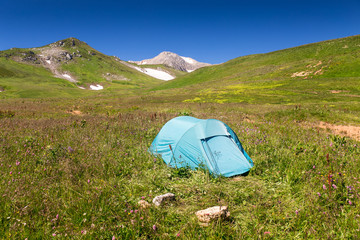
point(38, 72)
point(328, 71)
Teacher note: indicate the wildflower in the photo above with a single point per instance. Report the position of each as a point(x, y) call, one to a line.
point(17, 163)
point(319, 194)
point(54, 234)
point(57, 216)
point(88, 181)
point(113, 238)
point(324, 187)
point(267, 232)
point(297, 212)
point(143, 197)
point(131, 211)
point(334, 186)
point(314, 167)
point(154, 227)
point(10, 173)
point(136, 210)
point(178, 234)
point(331, 144)
point(350, 202)
point(70, 150)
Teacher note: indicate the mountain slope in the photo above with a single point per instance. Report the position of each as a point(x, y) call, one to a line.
point(69, 60)
point(325, 70)
point(175, 61)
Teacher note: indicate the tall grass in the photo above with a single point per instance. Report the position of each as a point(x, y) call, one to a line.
point(81, 176)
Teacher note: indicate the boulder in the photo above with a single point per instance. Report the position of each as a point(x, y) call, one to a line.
point(158, 200)
point(212, 214)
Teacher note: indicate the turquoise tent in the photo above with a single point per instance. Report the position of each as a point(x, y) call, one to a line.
point(208, 143)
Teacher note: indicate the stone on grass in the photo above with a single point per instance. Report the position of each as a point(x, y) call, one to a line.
point(212, 214)
point(158, 200)
point(144, 204)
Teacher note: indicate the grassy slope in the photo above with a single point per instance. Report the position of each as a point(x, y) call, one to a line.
point(266, 78)
point(32, 80)
point(28, 81)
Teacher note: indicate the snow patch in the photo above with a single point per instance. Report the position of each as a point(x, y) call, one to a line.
point(67, 76)
point(188, 70)
point(48, 61)
point(188, 60)
point(156, 73)
point(96, 87)
point(81, 87)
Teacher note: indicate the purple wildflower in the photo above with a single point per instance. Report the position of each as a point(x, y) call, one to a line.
point(334, 186)
point(154, 227)
point(70, 149)
point(324, 187)
point(319, 194)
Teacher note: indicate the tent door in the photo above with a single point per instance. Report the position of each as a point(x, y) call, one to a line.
point(224, 155)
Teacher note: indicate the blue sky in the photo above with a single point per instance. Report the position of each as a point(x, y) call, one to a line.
point(206, 30)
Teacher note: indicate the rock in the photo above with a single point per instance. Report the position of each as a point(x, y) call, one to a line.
point(212, 214)
point(144, 204)
point(68, 56)
point(158, 200)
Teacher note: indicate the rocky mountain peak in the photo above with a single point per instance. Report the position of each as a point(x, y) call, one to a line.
point(173, 60)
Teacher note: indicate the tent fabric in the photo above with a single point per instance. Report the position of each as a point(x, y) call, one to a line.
point(201, 143)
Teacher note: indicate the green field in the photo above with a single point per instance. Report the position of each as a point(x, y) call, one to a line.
point(74, 163)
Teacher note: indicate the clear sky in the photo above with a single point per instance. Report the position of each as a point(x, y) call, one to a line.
point(206, 30)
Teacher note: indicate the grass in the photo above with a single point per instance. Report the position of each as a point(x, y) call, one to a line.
point(269, 78)
point(77, 176)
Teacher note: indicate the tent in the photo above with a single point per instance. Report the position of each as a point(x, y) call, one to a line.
point(201, 143)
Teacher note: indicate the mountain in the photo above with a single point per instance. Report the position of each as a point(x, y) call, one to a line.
point(326, 71)
point(68, 65)
point(175, 61)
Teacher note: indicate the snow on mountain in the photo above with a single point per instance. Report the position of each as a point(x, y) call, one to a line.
point(156, 73)
point(175, 61)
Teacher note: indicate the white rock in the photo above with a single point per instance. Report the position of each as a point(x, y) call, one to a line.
point(158, 200)
point(212, 214)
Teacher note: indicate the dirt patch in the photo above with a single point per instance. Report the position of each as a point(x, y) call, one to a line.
point(337, 91)
point(342, 130)
point(351, 95)
point(75, 112)
point(301, 74)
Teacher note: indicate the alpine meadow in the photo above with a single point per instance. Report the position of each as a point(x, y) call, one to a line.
point(76, 127)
